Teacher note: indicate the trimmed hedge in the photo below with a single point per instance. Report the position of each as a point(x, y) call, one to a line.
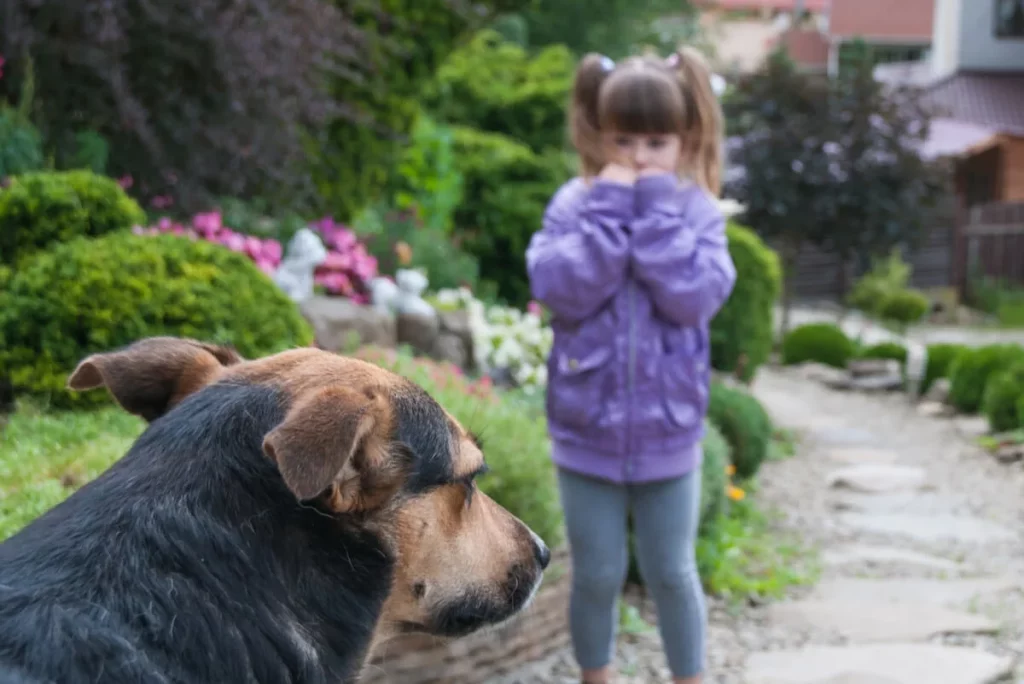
point(94, 295)
point(41, 209)
point(819, 342)
point(974, 368)
point(742, 332)
point(940, 361)
point(904, 307)
point(745, 425)
point(885, 350)
point(1003, 393)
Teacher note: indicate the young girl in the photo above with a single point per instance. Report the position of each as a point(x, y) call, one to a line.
point(633, 263)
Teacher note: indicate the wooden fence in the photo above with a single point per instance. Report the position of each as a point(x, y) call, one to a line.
point(992, 244)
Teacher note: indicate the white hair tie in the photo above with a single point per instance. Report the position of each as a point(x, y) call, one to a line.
point(607, 63)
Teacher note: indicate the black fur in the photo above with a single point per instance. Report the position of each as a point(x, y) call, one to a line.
point(425, 429)
point(189, 561)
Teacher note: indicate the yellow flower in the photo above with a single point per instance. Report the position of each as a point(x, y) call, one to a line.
point(730, 470)
point(735, 493)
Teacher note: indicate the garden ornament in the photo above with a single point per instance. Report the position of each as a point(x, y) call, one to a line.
point(295, 274)
point(917, 364)
point(411, 285)
point(383, 293)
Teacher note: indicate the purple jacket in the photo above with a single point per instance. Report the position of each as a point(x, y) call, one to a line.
point(632, 275)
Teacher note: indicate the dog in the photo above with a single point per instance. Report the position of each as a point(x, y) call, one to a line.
point(275, 519)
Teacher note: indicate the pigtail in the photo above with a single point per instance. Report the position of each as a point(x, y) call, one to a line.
point(705, 124)
point(585, 128)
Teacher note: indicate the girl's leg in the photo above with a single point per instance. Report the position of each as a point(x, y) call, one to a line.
point(665, 516)
point(595, 519)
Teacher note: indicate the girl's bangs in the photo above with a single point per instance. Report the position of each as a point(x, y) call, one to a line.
point(641, 102)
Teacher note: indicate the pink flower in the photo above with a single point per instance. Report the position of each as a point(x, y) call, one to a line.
point(124, 181)
point(161, 201)
point(534, 307)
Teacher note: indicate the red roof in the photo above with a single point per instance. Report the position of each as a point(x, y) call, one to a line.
point(895, 20)
point(806, 47)
point(783, 5)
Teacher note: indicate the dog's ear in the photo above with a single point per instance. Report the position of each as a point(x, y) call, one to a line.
point(334, 440)
point(151, 376)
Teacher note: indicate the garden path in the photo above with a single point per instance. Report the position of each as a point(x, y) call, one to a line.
point(922, 561)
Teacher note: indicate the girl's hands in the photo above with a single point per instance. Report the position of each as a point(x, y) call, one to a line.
point(617, 173)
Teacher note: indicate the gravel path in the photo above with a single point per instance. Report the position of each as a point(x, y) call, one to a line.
point(923, 565)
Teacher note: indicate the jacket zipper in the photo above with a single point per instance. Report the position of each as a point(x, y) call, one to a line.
point(630, 377)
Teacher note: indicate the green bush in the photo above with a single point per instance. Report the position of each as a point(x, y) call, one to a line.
point(506, 188)
point(41, 209)
point(522, 477)
point(742, 332)
point(1003, 393)
point(497, 86)
point(92, 295)
point(745, 425)
point(820, 342)
point(1020, 410)
point(885, 350)
point(940, 361)
point(973, 369)
point(886, 276)
point(21, 146)
point(904, 307)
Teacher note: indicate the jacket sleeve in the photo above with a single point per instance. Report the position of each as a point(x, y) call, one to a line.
point(679, 251)
point(578, 260)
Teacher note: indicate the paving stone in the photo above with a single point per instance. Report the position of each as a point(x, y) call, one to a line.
point(936, 592)
point(929, 528)
point(877, 664)
point(863, 553)
point(878, 478)
point(858, 456)
point(920, 503)
point(870, 621)
point(840, 435)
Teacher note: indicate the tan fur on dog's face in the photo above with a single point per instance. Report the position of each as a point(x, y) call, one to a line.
point(374, 449)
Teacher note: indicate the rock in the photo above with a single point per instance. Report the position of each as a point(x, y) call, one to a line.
point(456, 324)
point(860, 368)
point(939, 391)
point(866, 621)
point(418, 331)
point(836, 378)
point(935, 409)
point(339, 322)
point(877, 383)
point(840, 435)
point(972, 426)
point(876, 555)
point(929, 528)
point(856, 456)
point(450, 348)
point(876, 478)
point(876, 664)
point(1010, 453)
point(918, 503)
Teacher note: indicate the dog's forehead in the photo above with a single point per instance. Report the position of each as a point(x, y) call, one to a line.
point(302, 370)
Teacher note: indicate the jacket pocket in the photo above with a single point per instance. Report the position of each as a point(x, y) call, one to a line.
point(684, 377)
point(576, 384)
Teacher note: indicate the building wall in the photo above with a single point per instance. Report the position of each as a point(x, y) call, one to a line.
point(946, 36)
point(979, 49)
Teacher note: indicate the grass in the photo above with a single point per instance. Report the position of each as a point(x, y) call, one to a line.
point(44, 457)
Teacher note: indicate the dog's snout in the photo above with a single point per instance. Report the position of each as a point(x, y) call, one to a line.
point(540, 550)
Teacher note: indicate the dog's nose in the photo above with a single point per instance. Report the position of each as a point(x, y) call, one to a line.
point(540, 551)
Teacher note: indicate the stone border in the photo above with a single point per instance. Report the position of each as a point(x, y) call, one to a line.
point(542, 630)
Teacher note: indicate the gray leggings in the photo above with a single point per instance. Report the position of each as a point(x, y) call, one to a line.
point(665, 517)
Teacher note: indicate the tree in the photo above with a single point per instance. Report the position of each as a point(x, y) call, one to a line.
point(886, 192)
point(779, 121)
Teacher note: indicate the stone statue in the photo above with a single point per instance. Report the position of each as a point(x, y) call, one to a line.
point(383, 292)
point(404, 296)
point(295, 274)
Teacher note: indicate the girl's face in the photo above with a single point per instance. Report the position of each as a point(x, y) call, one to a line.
point(660, 151)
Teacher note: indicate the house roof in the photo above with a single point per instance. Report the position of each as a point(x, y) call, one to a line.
point(807, 47)
point(991, 100)
point(892, 20)
point(783, 5)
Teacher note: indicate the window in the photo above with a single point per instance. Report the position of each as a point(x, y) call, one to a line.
point(1009, 19)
